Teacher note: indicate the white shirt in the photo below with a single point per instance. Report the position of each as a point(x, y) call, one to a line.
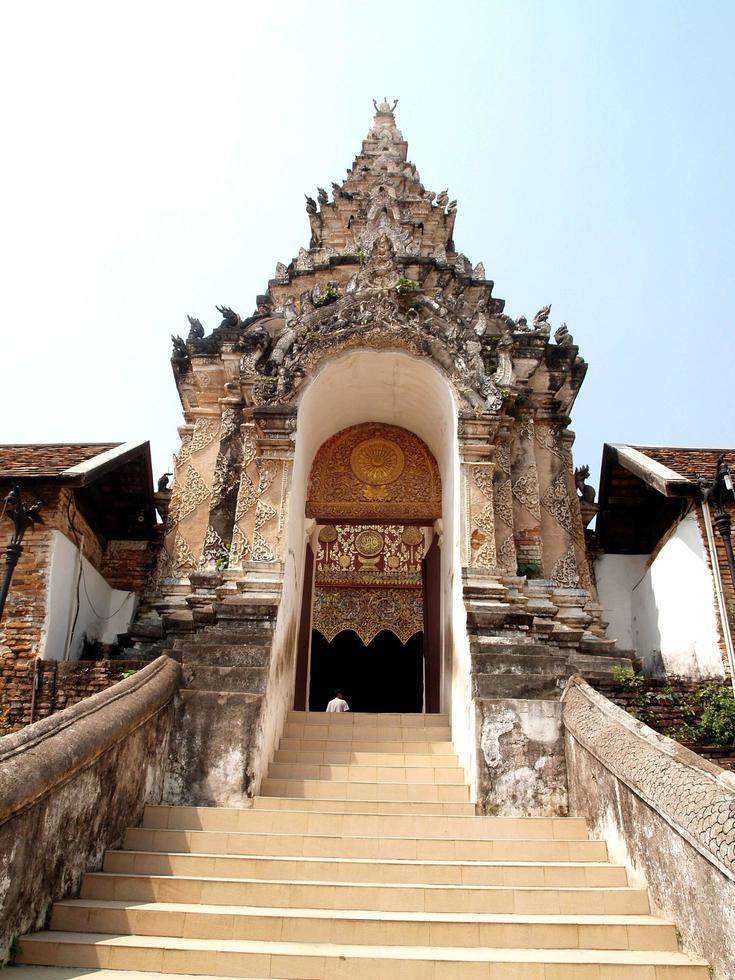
point(338, 704)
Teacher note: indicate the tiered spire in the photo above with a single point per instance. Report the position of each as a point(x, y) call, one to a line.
point(382, 194)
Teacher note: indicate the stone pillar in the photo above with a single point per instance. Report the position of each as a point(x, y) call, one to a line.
point(526, 506)
point(477, 519)
point(261, 512)
point(225, 485)
point(188, 516)
point(560, 557)
point(503, 504)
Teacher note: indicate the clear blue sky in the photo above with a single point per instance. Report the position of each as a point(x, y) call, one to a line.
point(155, 158)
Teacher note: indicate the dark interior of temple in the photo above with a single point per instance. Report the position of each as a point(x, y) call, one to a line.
point(385, 676)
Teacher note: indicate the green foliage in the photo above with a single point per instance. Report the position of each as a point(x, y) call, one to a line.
point(627, 678)
point(530, 569)
point(406, 285)
point(505, 392)
point(329, 295)
point(128, 673)
point(717, 723)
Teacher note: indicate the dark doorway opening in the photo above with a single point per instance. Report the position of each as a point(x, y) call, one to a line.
point(386, 675)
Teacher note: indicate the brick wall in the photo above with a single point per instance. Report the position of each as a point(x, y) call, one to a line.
point(59, 684)
point(666, 713)
point(125, 565)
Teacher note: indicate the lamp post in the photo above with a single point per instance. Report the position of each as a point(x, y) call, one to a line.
point(22, 517)
point(717, 493)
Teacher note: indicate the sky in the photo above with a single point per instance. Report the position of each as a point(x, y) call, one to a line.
point(155, 158)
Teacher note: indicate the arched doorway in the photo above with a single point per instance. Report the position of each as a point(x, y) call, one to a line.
point(370, 618)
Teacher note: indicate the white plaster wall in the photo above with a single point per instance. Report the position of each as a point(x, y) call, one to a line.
point(397, 389)
point(673, 606)
point(617, 576)
point(97, 602)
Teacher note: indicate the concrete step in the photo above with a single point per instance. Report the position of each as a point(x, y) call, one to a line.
point(212, 636)
point(526, 965)
point(398, 760)
point(452, 775)
point(526, 852)
point(251, 680)
point(367, 807)
point(518, 686)
point(332, 789)
point(363, 825)
point(337, 894)
point(408, 734)
point(280, 868)
point(343, 743)
point(364, 928)
point(365, 719)
point(223, 655)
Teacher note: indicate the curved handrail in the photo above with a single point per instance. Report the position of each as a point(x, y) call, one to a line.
point(37, 759)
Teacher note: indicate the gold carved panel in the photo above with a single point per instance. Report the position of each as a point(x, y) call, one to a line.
point(368, 611)
point(374, 472)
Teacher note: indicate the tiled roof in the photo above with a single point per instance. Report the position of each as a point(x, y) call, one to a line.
point(47, 459)
point(688, 463)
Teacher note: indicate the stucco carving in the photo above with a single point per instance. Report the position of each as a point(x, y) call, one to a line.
point(556, 501)
point(564, 572)
point(193, 493)
point(504, 502)
point(687, 792)
point(525, 490)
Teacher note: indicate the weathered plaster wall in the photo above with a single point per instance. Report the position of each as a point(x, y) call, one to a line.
point(214, 758)
point(665, 812)
point(521, 763)
point(103, 612)
point(674, 613)
point(617, 576)
point(71, 784)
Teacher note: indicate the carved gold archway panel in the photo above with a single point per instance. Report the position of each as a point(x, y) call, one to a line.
point(368, 612)
point(374, 472)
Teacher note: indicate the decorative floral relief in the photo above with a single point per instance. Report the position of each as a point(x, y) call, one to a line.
point(549, 437)
point(263, 513)
point(205, 430)
point(229, 423)
point(525, 490)
point(194, 492)
point(213, 549)
point(556, 502)
point(502, 457)
point(368, 611)
point(564, 572)
point(183, 560)
point(507, 555)
point(504, 502)
point(241, 549)
point(247, 496)
point(261, 550)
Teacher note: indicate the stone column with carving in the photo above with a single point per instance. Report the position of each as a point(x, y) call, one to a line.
point(261, 512)
point(477, 510)
point(188, 516)
point(503, 503)
point(578, 525)
point(560, 558)
point(526, 506)
point(225, 486)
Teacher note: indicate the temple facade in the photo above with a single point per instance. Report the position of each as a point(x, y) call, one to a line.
point(383, 457)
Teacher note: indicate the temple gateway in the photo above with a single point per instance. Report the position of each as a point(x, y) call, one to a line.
point(374, 494)
point(383, 456)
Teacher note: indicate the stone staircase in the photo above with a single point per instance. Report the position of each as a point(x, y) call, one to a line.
point(362, 856)
point(527, 637)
